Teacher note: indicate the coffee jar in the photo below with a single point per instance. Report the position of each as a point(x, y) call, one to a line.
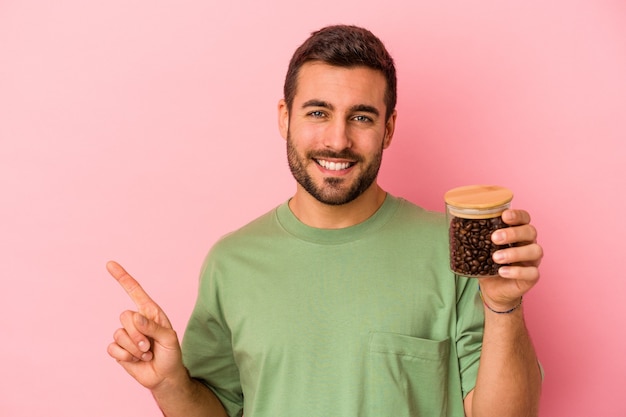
point(474, 212)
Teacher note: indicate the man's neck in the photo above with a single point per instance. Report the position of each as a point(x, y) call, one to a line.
point(314, 213)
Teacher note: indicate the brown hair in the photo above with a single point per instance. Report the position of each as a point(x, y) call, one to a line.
point(343, 46)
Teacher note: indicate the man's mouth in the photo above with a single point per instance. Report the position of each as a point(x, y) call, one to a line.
point(334, 166)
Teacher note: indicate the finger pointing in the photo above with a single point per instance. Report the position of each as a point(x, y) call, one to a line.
point(130, 285)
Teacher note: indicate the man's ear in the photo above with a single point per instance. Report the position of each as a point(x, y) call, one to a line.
point(283, 118)
point(390, 127)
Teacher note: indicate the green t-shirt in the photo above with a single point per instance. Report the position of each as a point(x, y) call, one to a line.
point(362, 321)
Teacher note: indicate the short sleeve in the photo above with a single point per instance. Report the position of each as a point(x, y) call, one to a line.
point(470, 327)
point(207, 349)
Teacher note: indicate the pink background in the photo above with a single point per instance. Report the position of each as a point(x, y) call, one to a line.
point(142, 131)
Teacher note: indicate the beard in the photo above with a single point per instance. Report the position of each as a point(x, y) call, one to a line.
point(334, 190)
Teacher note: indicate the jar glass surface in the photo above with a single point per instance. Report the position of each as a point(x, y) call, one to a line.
point(474, 213)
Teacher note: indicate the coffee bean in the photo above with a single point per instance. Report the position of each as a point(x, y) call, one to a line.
point(471, 248)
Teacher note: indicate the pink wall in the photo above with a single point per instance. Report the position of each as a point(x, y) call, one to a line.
point(142, 131)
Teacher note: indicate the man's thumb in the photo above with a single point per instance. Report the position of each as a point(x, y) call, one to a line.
point(153, 330)
point(146, 326)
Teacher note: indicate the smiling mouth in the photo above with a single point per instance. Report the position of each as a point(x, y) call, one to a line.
point(334, 166)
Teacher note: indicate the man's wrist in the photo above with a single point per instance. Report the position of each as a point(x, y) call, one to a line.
point(181, 382)
point(498, 308)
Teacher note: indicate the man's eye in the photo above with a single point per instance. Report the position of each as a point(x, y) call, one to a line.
point(361, 118)
point(316, 114)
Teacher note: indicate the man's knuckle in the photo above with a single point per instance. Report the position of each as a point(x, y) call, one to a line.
point(118, 335)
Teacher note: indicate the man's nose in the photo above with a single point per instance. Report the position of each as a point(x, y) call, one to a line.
point(337, 136)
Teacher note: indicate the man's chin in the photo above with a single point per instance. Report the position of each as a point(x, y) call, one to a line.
point(335, 197)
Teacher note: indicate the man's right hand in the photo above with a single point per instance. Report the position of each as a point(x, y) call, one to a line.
point(146, 346)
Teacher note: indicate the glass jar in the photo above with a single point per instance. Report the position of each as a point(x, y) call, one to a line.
point(474, 213)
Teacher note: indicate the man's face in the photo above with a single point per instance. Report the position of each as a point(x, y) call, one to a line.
point(336, 130)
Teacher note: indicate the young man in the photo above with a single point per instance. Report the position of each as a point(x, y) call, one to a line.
point(340, 301)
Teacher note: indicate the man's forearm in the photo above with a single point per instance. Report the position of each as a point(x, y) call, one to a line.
point(509, 379)
point(188, 398)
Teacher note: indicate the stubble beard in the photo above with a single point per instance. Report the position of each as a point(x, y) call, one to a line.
point(334, 190)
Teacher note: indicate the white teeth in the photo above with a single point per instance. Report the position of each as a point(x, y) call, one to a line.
point(333, 166)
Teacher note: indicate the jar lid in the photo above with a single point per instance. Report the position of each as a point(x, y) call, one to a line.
point(478, 196)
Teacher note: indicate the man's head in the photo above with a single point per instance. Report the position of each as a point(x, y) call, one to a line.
point(338, 115)
point(343, 46)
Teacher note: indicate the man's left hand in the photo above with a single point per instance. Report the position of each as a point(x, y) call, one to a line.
point(520, 270)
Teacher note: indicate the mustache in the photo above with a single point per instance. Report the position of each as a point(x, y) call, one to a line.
point(344, 154)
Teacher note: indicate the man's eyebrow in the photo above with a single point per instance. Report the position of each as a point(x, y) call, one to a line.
point(356, 108)
point(366, 109)
point(317, 103)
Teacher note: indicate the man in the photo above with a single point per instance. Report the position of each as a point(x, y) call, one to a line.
point(340, 301)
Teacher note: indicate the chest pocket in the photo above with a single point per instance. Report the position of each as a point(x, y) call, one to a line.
point(407, 376)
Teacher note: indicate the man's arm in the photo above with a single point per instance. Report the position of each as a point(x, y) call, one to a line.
point(509, 379)
point(148, 349)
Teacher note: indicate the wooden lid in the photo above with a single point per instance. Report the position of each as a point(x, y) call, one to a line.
point(478, 196)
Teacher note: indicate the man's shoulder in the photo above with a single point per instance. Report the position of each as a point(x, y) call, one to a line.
point(263, 226)
point(412, 212)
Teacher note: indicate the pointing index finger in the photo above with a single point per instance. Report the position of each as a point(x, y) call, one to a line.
point(130, 285)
